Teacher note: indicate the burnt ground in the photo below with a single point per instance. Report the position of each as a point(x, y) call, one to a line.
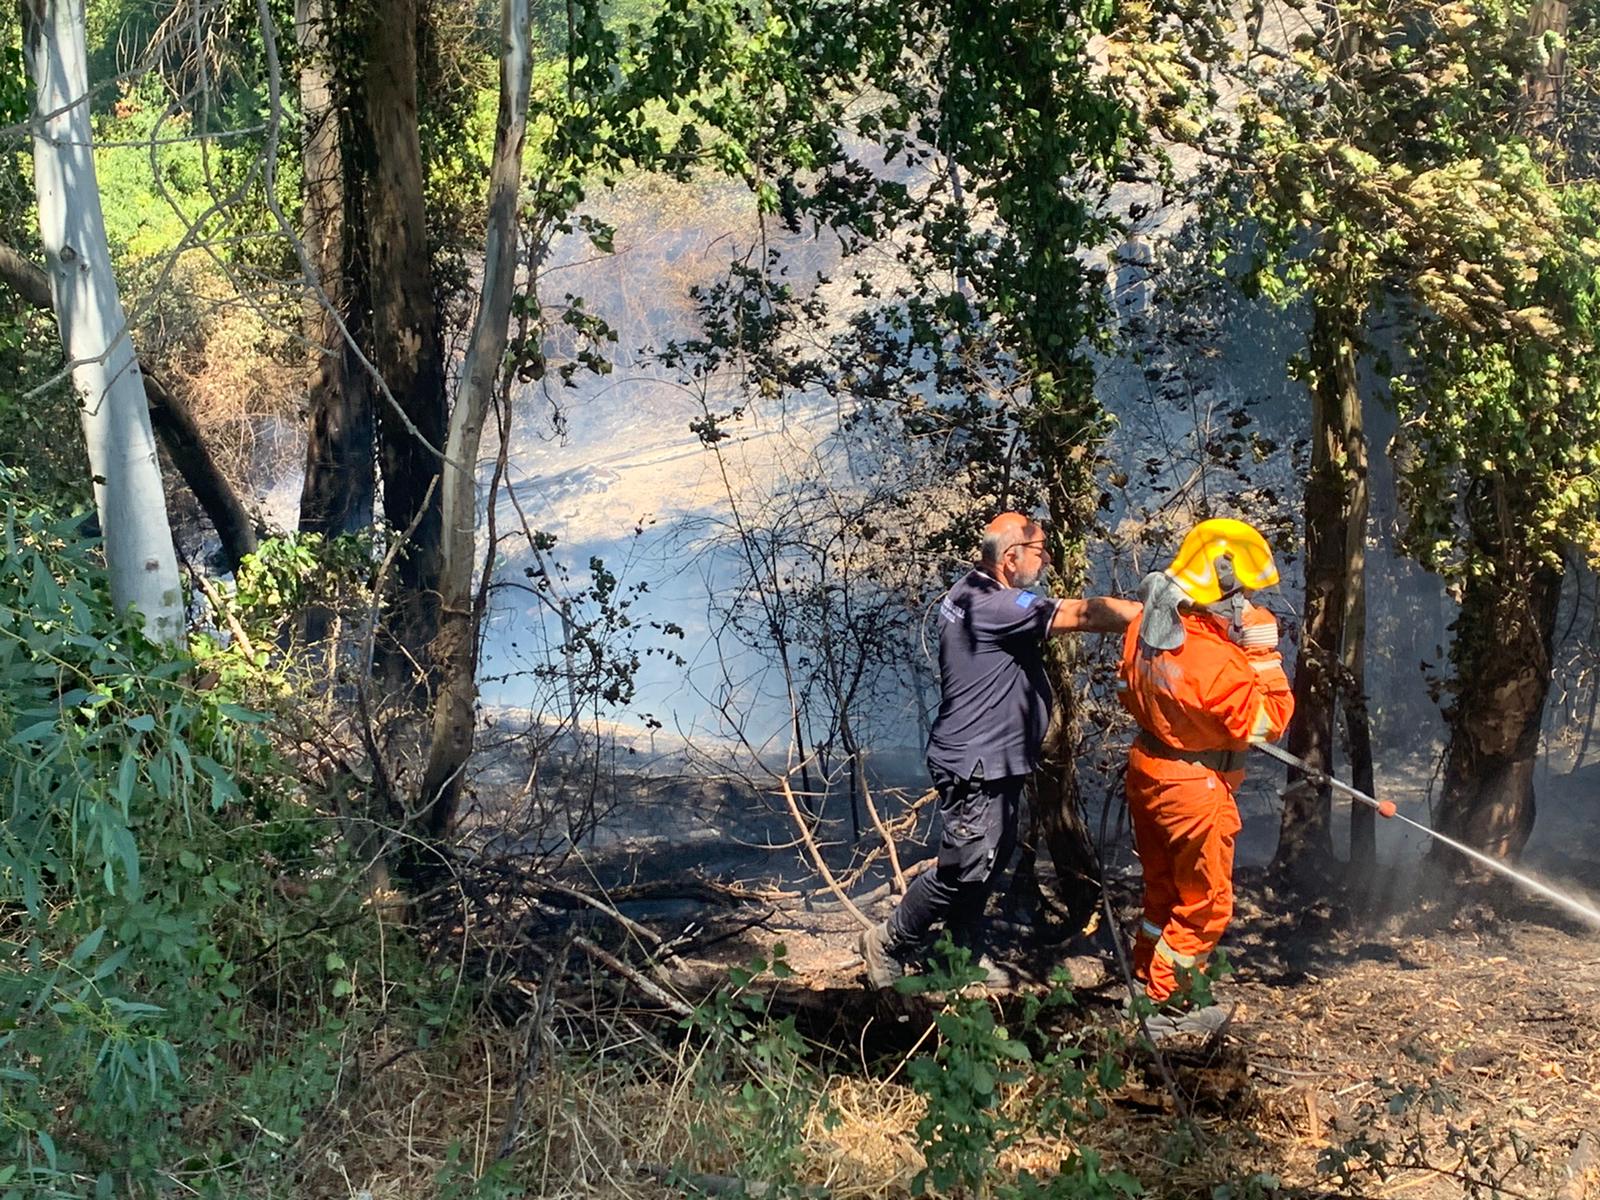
point(1433, 1039)
point(1443, 1050)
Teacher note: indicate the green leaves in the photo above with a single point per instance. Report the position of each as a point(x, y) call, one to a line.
point(137, 899)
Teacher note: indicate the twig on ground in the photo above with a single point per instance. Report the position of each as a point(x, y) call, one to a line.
point(646, 985)
point(879, 892)
point(646, 935)
point(530, 1057)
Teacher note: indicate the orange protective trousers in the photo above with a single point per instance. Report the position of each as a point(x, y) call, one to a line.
point(1207, 698)
point(1184, 825)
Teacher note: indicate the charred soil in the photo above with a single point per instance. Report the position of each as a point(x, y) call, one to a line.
point(1435, 1050)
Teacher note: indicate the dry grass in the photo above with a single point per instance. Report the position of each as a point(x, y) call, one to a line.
point(610, 1121)
point(615, 1102)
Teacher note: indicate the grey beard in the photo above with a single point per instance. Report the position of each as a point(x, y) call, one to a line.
point(1038, 582)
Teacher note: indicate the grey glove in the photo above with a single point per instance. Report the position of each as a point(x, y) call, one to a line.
point(1160, 627)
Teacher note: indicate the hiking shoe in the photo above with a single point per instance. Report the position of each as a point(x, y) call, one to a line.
point(995, 977)
point(1197, 1023)
point(878, 958)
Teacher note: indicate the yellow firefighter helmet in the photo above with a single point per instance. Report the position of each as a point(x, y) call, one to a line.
point(1195, 567)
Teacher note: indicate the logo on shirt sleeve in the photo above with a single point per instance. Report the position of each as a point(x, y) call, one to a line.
point(1025, 599)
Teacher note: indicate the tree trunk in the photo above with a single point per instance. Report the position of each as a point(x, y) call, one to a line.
point(1353, 666)
point(1504, 633)
point(172, 422)
point(140, 559)
point(1336, 521)
point(1058, 807)
point(1544, 85)
point(1502, 657)
point(405, 331)
point(340, 481)
point(1058, 800)
point(457, 645)
point(180, 436)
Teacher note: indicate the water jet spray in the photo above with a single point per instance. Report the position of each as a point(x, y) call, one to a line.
point(1386, 808)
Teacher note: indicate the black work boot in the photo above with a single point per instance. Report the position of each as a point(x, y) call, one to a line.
point(878, 956)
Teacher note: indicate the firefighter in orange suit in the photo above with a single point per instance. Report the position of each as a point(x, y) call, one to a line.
point(1202, 676)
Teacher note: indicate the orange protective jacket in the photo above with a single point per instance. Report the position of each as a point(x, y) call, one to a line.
point(1208, 694)
point(1198, 707)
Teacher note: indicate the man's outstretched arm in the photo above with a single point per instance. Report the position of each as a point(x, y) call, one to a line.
point(1094, 614)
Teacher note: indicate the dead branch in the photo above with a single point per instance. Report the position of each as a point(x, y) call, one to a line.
point(647, 935)
point(646, 985)
point(816, 853)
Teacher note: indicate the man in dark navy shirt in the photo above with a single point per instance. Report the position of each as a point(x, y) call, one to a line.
point(994, 707)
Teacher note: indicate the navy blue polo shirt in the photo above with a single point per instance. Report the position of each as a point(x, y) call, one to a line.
point(994, 695)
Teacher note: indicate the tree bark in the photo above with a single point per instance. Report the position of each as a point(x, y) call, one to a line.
point(1544, 85)
point(456, 650)
point(1058, 799)
point(140, 559)
point(1504, 633)
point(185, 445)
point(404, 334)
point(1332, 635)
point(1502, 656)
point(1058, 809)
point(173, 424)
point(1353, 659)
point(340, 479)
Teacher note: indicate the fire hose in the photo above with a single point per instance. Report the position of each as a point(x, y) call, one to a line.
point(1386, 808)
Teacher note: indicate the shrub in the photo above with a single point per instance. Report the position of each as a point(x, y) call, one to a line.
point(169, 1010)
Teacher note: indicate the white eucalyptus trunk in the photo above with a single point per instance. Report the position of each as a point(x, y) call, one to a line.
point(94, 329)
point(456, 646)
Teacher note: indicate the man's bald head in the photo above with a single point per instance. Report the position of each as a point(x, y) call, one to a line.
point(1013, 550)
point(1005, 531)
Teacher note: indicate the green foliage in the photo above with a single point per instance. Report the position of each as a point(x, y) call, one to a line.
point(456, 1179)
point(1081, 1177)
point(1511, 424)
point(151, 967)
point(1376, 157)
point(40, 435)
point(755, 1066)
point(15, 94)
point(1014, 135)
point(1395, 165)
point(1057, 1082)
point(147, 210)
point(963, 1129)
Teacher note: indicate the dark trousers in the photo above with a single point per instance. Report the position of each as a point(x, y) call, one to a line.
point(978, 833)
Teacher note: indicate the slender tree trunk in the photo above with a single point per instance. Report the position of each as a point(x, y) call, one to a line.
point(1353, 659)
point(1502, 657)
point(1058, 807)
point(340, 479)
point(185, 445)
point(1335, 519)
point(457, 646)
point(172, 422)
point(1058, 799)
point(140, 559)
point(404, 334)
point(1548, 17)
